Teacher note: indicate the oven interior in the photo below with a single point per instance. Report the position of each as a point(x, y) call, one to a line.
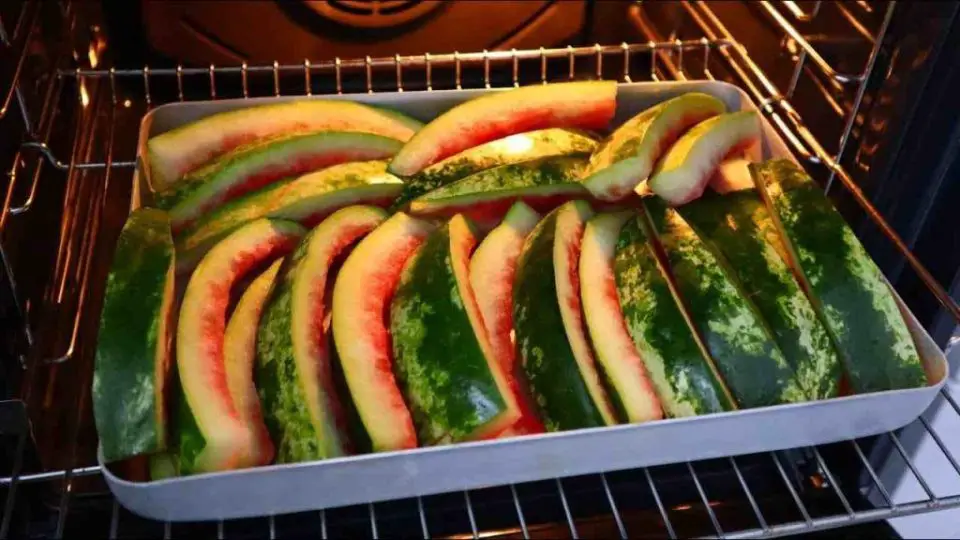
point(77, 77)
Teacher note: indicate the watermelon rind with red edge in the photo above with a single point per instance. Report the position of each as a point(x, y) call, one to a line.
point(213, 435)
point(588, 105)
point(511, 149)
point(307, 199)
point(135, 340)
point(455, 387)
point(239, 353)
point(683, 172)
point(630, 384)
point(845, 286)
point(628, 155)
point(362, 293)
point(492, 269)
point(552, 344)
point(260, 164)
point(486, 196)
point(294, 370)
point(177, 152)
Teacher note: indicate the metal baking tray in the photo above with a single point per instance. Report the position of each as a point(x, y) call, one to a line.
point(278, 489)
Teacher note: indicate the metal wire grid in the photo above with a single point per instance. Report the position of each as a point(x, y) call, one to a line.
point(80, 227)
point(511, 516)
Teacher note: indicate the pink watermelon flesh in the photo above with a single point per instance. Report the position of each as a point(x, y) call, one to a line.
point(278, 159)
point(586, 105)
point(627, 375)
point(361, 298)
point(492, 270)
point(347, 226)
point(239, 351)
point(172, 154)
point(733, 174)
point(200, 336)
point(462, 246)
point(566, 256)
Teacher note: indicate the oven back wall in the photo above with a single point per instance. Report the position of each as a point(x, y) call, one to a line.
point(199, 32)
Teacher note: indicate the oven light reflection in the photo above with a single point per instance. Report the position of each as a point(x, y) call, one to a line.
point(684, 507)
point(487, 534)
point(92, 56)
point(84, 96)
point(517, 144)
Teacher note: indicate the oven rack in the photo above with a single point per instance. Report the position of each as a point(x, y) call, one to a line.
point(618, 515)
point(97, 158)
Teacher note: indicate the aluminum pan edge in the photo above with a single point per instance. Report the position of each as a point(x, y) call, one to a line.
point(279, 489)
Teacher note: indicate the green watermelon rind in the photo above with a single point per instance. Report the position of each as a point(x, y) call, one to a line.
point(685, 169)
point(135, 340)
point(684, 375)
point(194, 242)
point(511, 178)
point(629, 154)
point(361, 294)
point(455, 388)
point(508, 150)
point(557, 385)
point(627, 378)
point(551, 177)
point(846, 287)
point(736, 335)
point(492, 269)
point(740, 229)
point(212, 434)
point(202, 190)
point(326, 190)
point(300, 410)
point(174, 153)
point(299, 199)
point(586, 105)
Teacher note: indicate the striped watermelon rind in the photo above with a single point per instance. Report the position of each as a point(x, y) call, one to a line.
point(455, 387)
point(736, 335)
point(306, 199)
point(213, 435)
point(254, 166)
point(134, 345)
point(629, 382)
point(846, 287)
point(563, 377)
point(486, 196)
point(741, 231)
point(361, 296)
point(588, 105)
point(177, 152)
point(685, 377)
point(294, 367)
point(492, 271)
point(508, 150)
point(628, 155)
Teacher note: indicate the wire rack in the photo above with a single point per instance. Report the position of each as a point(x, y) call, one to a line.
point(97, 162)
